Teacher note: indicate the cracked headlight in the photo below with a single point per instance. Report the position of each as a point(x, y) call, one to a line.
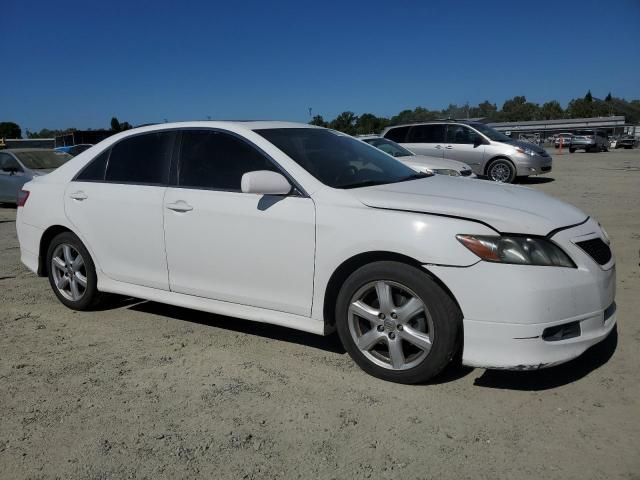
point(519, 250)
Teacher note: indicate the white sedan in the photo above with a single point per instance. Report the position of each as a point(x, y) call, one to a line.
point(420, 163)
point(311, 229)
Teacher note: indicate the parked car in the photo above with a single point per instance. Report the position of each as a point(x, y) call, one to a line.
point(74, 150)
point(589, 141)
point(487, 151)
point(420, 163)
point(308, 228)
point(20, 165)
point(625, 142)
point(562, 139)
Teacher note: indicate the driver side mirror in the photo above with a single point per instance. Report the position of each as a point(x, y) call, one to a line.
point(477, 141)
point(265, 182)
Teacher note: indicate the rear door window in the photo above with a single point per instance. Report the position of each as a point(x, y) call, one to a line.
point(95, 170)
point(460, 134)
point(217, 160)
point(142, 159)
point(398, 135)
point(427, 134)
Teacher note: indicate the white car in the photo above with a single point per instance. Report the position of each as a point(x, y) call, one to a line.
point(420, 163)
point(308, 228)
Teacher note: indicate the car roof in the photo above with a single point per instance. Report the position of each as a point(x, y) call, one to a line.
point(241, 124)
point(434, 122)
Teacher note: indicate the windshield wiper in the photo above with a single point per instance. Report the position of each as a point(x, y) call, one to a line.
point(366, 183)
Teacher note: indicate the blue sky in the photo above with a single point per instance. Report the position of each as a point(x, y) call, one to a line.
point(77, 64)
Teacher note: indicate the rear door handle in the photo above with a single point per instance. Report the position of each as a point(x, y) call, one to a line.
point(438, 147)
point(79, 196)
point(180, 206)
point(449, 147)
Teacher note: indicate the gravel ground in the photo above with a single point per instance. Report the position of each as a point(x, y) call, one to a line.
point(143, 390)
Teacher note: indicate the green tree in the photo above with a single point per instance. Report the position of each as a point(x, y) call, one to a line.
point(588, 97)
point(484, 110)
point(519, 110)
point(419, 114)
point(10, 130)
point(551, 111)
point(345, 122)
point(115, 124)
point(608, 97)
point(580, 108)
point(318, 121)
point(370, 123)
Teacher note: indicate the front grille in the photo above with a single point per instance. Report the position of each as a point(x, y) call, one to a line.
point(596, 249)
point(465, 173)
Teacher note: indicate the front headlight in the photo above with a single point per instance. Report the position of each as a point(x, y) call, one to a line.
point(521, 250)
point(446, 171)
point(605, 235)
point(526, 151)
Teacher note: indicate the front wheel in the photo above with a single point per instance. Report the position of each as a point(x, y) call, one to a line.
point(397, 323)
point(72, 274)
point(502, 171)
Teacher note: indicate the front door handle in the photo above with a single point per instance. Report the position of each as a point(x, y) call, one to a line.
point(448, 147)
point(180, 206)
point(79, 196)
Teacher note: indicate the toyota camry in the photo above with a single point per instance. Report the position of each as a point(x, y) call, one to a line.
point(311, 229)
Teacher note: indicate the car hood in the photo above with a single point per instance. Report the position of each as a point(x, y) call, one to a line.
point(426, 161)
point(506, 208)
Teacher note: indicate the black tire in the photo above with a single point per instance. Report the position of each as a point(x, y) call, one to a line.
point(444, 316)
point(572, 150)
point(501, 165)
point(91, 297)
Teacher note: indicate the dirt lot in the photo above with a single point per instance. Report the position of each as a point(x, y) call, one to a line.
point(148, 391)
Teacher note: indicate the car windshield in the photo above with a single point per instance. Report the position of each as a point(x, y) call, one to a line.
point(389, 146)
point(42, 159)
point(336, 159)
point(492, 134)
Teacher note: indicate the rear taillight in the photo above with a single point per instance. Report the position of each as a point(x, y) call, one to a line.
point(23, 195)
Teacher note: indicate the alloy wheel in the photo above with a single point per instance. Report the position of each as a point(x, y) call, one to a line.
point(69, 272)
point(500, 172)
point(390, 325)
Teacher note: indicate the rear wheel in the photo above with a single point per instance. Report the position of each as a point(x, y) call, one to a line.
point(72, 274)
point(572, 150)
point(397, 323)
point(501, 170)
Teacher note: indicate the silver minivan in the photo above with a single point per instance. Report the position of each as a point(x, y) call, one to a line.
point(488, 152)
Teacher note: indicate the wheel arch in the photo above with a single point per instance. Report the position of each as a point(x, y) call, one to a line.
point(45, 240)
point(351, 264)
